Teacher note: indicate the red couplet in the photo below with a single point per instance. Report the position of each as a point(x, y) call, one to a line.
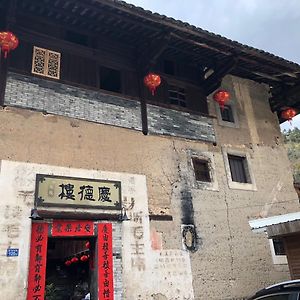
point(105, 262)
point(37, 264)
point(72, 228)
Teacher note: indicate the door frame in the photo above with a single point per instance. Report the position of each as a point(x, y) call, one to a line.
point(40, 233)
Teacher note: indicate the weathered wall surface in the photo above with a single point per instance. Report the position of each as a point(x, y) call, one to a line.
point(65, 100)
point(143, 268)
point(231, 262)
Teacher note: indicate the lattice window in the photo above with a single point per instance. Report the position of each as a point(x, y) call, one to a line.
point(46, 62)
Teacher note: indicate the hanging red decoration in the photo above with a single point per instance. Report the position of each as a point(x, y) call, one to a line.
point(87, 245)
point(68, 263)
point(221, 96)
point(74, 260)
point(84, 258)
point(152, 81)
point(8, 42)
point(288, 114)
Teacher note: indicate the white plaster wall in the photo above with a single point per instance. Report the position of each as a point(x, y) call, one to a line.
point(146, 275)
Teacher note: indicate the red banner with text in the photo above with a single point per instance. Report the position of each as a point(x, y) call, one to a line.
point(72, 228)
point(37, 264)
point(105, 262)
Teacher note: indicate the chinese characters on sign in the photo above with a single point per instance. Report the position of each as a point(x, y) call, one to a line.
point(105, 270)
point(67, 191)
point(37, 267)
point(72, 228)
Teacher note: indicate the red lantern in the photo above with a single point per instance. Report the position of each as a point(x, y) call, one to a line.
point(68, 263)
point(152, 81)
point(74, 260)
point(87, 245)
point(288, 114)
point(84, 258)
point(221, 97)
point(8, 42)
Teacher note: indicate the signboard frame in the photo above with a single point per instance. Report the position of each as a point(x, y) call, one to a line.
point(40, 202)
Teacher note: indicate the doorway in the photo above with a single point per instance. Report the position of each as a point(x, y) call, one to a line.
point(70, 259)
point(69, 268)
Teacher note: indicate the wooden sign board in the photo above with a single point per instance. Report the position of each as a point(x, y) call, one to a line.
point(77, 192)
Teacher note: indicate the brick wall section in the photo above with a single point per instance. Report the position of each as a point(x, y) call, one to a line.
point(65, 100)
point(117, 260)
point(183, 124)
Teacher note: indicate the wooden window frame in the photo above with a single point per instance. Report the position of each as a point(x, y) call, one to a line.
point(239, 168)
point(45, 72)
point(250, 185)
point(173, 88)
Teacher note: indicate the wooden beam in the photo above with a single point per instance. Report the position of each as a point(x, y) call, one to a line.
point(158, 48)
point(148, 57)
point(3, 77)
point(4, 63)
point(62, 45)
point(61, 10)
point(142, 96)
point(286, 96)
point(197, 33)
point(214, 80)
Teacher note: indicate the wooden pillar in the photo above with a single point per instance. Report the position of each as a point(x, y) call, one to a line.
point(144, 113)
point(9, 16)
point(3, 77)
point(141, 94)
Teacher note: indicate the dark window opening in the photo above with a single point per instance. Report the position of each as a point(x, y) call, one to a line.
point(238, 168)
point(227, 114)
point(76, 38)
point(169, 67)
point(69, 280)
point(110, 79)
point(201, 169)
point(177, 96)
point(279, 247)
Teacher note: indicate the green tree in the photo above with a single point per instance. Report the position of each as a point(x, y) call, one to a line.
point(292, 141)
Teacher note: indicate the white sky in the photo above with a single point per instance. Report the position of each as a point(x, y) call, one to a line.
point(270, 25)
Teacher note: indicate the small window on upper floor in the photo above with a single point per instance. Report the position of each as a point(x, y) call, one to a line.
point(227, 114)
point(77, 38)
point(201, 169)
point(177, 96)
point(239, 169)
point(110, 79)
point(169, 67)
point(46, 62)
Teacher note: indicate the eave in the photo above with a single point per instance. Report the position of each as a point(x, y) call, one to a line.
point(152, 35)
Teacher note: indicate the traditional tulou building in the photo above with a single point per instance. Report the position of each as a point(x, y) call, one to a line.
point(135, 149)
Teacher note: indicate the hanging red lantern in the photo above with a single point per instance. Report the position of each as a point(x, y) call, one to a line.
point(152, 81)
point(8, 42)
point(68, 263)
point(288, 114)
point(74, 260)
point(221, 97)
point(84, 258)
point(87, 245)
